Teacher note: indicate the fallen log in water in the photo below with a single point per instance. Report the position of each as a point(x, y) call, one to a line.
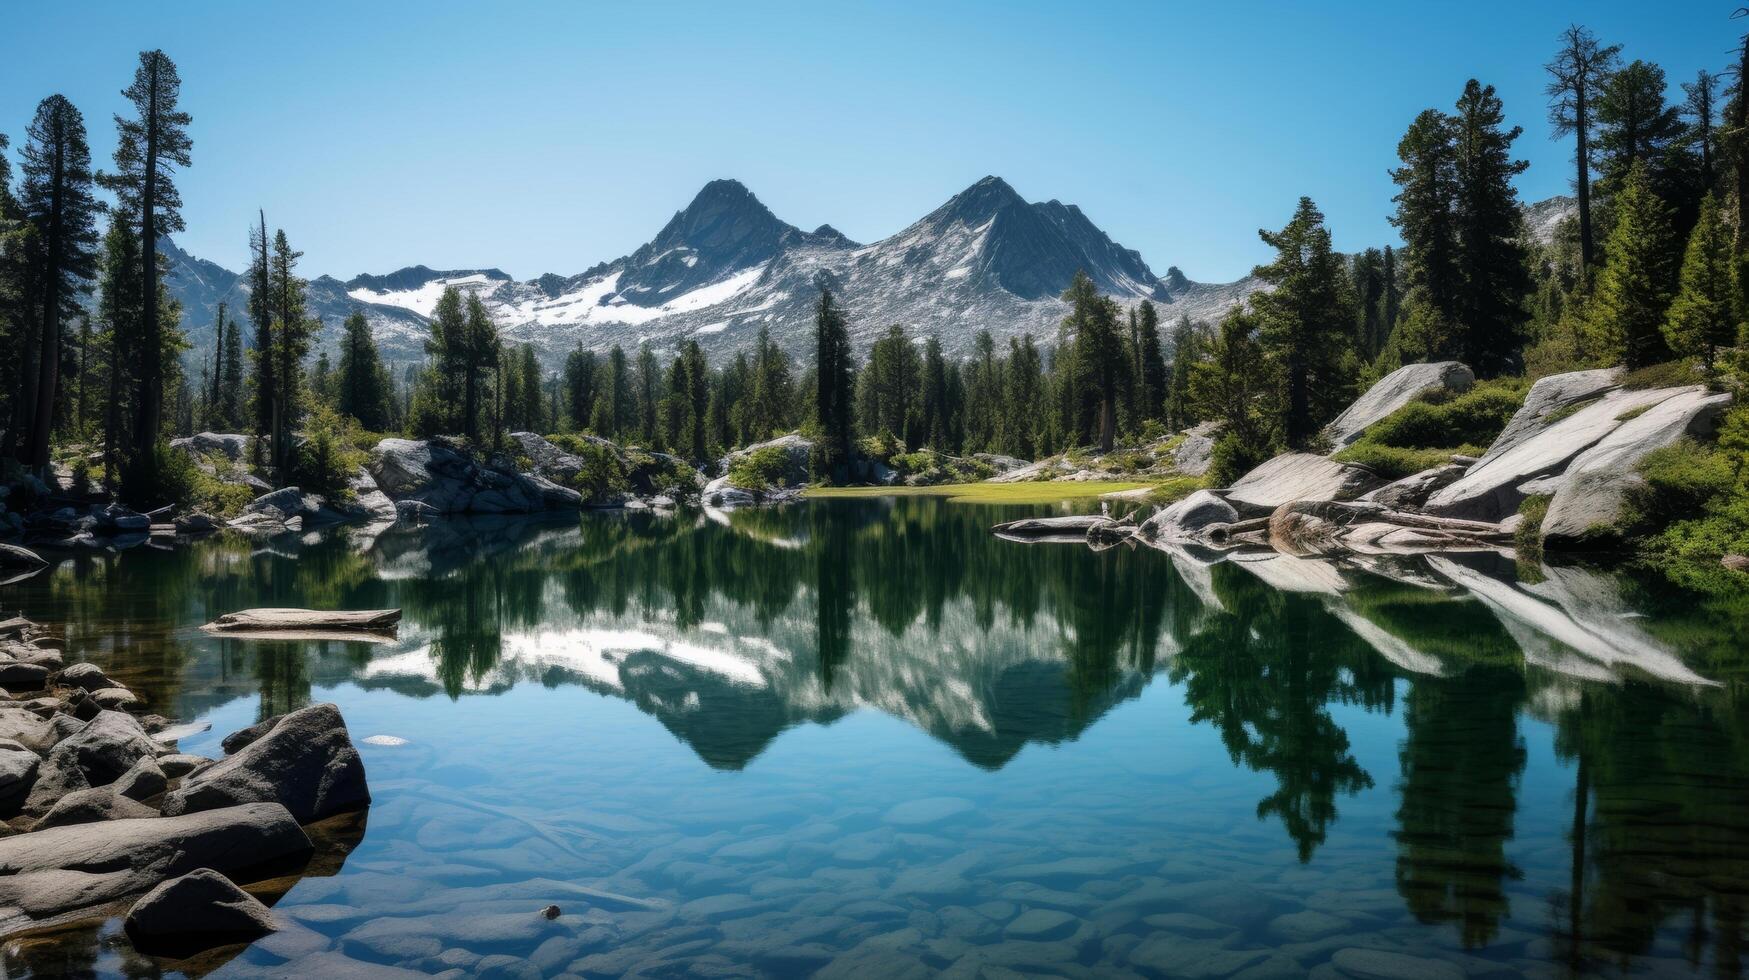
point(306, 621)
point(1039, 527)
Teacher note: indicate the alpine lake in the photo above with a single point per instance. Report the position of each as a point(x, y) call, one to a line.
point(866, 738)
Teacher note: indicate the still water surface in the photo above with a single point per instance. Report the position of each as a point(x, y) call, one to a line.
point(862, 737)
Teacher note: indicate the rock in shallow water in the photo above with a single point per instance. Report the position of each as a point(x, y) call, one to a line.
point(200, 910)
point(304, 761)
point(69, 868)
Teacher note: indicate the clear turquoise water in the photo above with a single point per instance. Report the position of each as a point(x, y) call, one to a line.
point(864, 738)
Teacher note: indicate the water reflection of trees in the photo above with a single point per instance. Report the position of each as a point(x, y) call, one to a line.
point(1658, 833)
point(1264, 672)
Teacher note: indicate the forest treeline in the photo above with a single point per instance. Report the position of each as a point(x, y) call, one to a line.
point(1647, 270)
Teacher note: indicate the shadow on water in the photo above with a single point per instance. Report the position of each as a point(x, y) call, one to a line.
point(730, 629)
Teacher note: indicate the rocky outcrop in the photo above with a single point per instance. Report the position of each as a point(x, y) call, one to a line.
point(199, 910)
point(1196, 453)
point(12, 556)
point(1591, 496)
point(1551, 396)
point(1412, 491)
point(290, 509)
point(646, 474)
point(1392, 392)
point(1298, 476)
point(783, 484)
point(1185, 519)
point(304, 761)
point(444, 480)
point(230, 445)
point(1494, 487)
point(51, 872)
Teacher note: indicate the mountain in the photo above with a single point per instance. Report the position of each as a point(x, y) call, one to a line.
point(725, 265)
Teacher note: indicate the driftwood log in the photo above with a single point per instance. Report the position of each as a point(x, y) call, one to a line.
point(306, 621)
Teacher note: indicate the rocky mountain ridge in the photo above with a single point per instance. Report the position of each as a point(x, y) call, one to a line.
point(725, 266)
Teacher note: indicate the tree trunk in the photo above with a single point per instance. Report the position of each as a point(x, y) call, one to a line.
point(1582, 161)
point(1107, 422)
point(1740, 117)
point(151, 357)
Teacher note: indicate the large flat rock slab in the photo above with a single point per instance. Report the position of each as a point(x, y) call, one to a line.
point(1392, 392)
point(1549, 396)
point(66, 869)
point(249, 620)
point(1298, 476)
point(1592, 494)
point(1489, 490)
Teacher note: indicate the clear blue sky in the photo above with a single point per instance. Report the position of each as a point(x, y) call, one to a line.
point(546, 137)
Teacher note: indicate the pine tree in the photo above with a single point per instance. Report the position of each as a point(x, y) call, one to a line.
point(292, 331)
point(1700, 105)
point(118, 310)
point(580, 386)
point(1180, 406)
point(55, 199)
point(1101, 369)
point(215, 378)
point(437, 401)
point(834, 388)
point(1427, 208)
point(266, 398)
point(1025, 395)
point(148, 150)
point(769, 402)
point(613, 403)
point(1234, 383)
point(1151, 378)
point(1368, 275)
point(888, 389)
point(934, 421)
point(15, 308)
point(1704, 315)
point(648, 392)
point(1491, 262)
point(1303, 322)
point(1635, 126)
point(1577, 73)
point(533, 406)
point(361, 390)
point(1633, 290)
point(480, 351)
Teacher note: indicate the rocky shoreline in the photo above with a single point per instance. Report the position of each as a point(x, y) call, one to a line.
point(101, 813)
point(1576, 442)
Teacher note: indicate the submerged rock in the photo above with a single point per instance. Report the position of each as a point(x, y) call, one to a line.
point(305, 761)
point(1392, 392)
point(200, 910)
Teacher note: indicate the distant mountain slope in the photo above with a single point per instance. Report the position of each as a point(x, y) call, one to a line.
point(725, 265)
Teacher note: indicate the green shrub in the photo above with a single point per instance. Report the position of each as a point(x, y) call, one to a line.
point(1174, 490)
point(1529, 536)
point(1670, 374)
point(1395, 462)
point(1442, 418)
point(327, 460)
point(761, 469)
point(600, 474)
point(81, 475)
point(1233, 457)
